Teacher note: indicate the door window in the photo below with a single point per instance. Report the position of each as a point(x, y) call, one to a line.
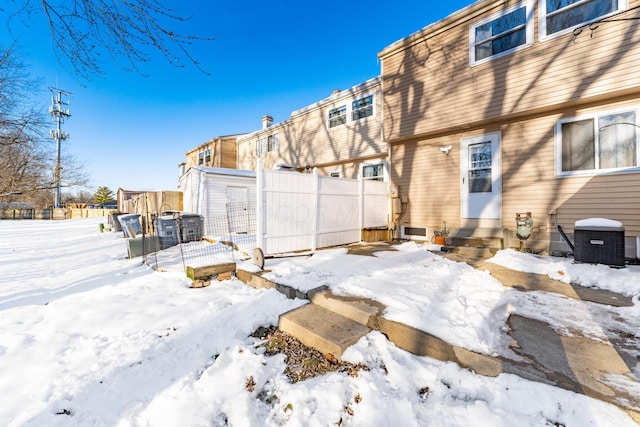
point(480, 168)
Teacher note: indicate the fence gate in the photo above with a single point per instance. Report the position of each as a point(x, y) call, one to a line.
point(298, 211)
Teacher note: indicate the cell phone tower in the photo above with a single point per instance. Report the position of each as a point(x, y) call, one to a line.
point(59, 110)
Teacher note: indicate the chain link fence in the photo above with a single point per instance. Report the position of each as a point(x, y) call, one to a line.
point(177, 239)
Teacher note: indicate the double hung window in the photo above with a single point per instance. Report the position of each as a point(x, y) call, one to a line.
point(361, 108)
point(337, 116)
point(266, 144)
point(261, 146)
point(560, 16)
point(353, 111)
point(272, 142)
point(502, 33)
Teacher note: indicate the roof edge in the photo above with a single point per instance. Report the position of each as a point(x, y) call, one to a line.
point(346, 93)
point(456, 18)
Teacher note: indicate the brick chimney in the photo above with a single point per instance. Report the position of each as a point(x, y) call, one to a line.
point(267, 121)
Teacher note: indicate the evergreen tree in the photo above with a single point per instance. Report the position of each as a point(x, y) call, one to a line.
point(103, 195)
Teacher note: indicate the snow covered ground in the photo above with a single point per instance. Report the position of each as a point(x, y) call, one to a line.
point(91, 338)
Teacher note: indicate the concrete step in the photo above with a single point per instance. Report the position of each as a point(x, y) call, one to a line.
point(324, 330)
point(473, 246)
point(360, 310)
point(477, 232)
point(490, 242)
point(471, 251)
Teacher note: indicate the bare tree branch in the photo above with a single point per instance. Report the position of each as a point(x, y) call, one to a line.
point(83, 30)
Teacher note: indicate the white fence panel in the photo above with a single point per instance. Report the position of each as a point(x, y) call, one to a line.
point(338, 211)
point(302, 211)
point(288, 204)
point(375, 207)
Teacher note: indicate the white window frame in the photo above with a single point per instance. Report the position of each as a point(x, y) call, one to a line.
point(273, 142)
point(336, 173)
point(542, 18)
point(347, 104)
point(267, 143)
point(529, 31)
point(207, 155)
point(345, 115)
point(385, 172)
point(372, 105)
point(261, 146)
point(200, 158)
point(596, 170)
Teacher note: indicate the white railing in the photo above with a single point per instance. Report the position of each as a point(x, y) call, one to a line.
point(298, 211)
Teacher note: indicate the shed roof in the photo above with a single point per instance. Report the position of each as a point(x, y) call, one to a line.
point(224, 171)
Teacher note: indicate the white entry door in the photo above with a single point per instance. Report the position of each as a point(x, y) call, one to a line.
point(481, 181)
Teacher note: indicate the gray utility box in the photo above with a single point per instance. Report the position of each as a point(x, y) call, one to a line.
point(167, 229)
point(599, 241)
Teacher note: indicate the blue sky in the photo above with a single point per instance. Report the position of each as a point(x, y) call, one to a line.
point(275, 57)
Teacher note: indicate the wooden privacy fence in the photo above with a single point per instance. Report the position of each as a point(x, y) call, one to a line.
point(73, 213)
point(297, 211)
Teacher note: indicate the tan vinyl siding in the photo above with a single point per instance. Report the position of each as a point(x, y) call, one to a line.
point(306, 140)
point(433, 98)
point(321, 145)
point(530, 184)
point(223, 153)
point(227, 153)
point(430, 85)
point(286, 152)
point(432, 182)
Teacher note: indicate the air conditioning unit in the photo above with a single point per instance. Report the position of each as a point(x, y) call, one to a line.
point(413, 232)
point(599, 241)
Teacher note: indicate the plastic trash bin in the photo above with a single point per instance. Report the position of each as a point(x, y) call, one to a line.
point(167, 228)
point(130, 225)
point(191, 227)
point(113, 220)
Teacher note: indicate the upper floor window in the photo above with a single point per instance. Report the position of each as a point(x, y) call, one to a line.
point(357, 109)
point(561, 16)
point(261, 146)
point(266, 144)
point(361, 108)
point(204, 156)
point(598, 143)
point(337, 116)
point(502, 33)
point(272, 142)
